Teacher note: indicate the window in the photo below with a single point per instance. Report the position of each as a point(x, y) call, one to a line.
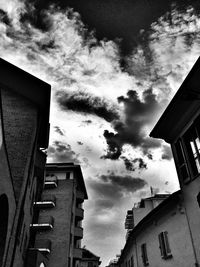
point(132, 261)
point(90, 264)
point(182, 161)
point(144, 254)
point(192, 144)
point(188, 153)
point(164, 245)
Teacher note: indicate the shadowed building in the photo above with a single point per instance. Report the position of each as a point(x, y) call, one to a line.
point(180, 127)
point(58, 231)
point(24, 131)
point(89, 259)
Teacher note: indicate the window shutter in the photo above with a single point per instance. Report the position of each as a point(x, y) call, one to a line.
point(160, 237)
point(168, 250)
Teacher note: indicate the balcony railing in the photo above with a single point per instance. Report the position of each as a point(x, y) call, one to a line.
point(77, 253)
point(47, 201)
point(44, 223)
point(79, 196)
point(78, 233)
point(43, 245)
point(51, 182)
point(79, 213)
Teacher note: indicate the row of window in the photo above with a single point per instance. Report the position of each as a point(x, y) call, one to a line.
point(187, 150)
point(165, 250)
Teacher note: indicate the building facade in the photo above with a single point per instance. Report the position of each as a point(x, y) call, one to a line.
point(24, 130)
point(89, 259)
point(161, 238)
point(180, 127)
point(141, 209)
point(57, 230)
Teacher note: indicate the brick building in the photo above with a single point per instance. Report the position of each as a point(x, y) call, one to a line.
point(24, 131)
point(58, 231)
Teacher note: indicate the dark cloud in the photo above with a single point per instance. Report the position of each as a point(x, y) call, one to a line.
point(4, 17)
point(60, 152)
point(166, 152)
point(133, 164)
point(86, 103)
point(79, 143)
point(114, 187)
point(138, 114)
point(111, 19)
point(125, 183)
point(87, 121)
point(101, 204)
point(58, 130)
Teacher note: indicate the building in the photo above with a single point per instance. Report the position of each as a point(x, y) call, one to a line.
point(141, 209)
point(180, 127)
point(24, 131)
point(161, 238)
point(57, 230)
point(113, 263)
point(89, 259)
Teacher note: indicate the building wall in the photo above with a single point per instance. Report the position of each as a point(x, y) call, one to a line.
point(20, 126)
point(173, 220)
point(6, 188)
point(140, 213)
point(190, 192)
point(62, 214)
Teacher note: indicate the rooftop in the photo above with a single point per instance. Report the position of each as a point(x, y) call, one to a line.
point(184, 106)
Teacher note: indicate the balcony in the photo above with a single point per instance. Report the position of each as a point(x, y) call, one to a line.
point(44, 223)
point(79, 197)
point(78, 233)
point(51, 182)
point(77, 253)
point(47, 201)
point(43, 245)
point(34, 258)
point(79, 213)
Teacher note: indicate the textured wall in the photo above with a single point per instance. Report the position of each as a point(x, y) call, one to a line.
point(20, 121)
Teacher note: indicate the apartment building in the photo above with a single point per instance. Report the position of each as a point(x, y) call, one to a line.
point(141, 209)
point(180, 127)
point(161, 238)
point(57, 230)
point(24, 131)
point(89, 259)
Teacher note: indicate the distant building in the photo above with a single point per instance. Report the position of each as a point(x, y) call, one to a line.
point(180, 127)
point(113, 263)
point(161, 238)
point(58, 231)
point(24, 131)
point(89, 259)
point(141, 209)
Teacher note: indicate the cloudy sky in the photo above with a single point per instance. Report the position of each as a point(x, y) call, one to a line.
point(113, 66)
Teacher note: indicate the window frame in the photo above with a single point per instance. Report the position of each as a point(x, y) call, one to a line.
point(188, 155)
point(165, 250)
point(144, 254)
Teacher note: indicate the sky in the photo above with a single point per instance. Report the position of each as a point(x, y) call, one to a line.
point(113, 66)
